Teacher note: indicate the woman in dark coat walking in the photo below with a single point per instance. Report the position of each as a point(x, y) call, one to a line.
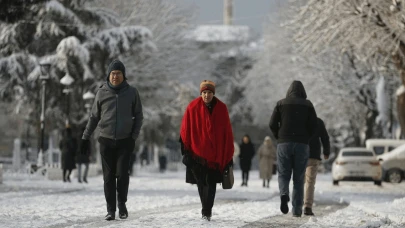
point(68, 147)
point(247, 152)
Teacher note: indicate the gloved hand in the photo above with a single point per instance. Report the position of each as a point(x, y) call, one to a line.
point(84, 146)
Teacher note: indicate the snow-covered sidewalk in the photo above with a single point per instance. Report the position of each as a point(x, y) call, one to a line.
point(165, 200)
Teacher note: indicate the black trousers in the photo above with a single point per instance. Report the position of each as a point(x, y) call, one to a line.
point(207, 187)
point(245, 176)
point(115, 156)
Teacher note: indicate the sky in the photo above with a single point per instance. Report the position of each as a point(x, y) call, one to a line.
point(252, 13)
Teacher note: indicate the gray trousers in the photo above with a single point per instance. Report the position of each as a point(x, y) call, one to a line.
point(79, 171)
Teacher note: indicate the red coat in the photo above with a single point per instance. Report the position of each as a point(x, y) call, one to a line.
point(208, 136)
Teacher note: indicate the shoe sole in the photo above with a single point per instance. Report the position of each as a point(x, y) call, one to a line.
point(284, 204)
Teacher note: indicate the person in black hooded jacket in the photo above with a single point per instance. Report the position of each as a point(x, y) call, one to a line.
point(293, 123)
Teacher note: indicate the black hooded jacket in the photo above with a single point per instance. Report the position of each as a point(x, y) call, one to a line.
point(294, 118)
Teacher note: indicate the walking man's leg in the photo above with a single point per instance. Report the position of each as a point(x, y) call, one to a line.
point(284, 166)
point(123, 161)
point(301, 153)
point(108, 158)
point(310, 179)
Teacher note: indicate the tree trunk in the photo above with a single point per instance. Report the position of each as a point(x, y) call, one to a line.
point(399, 63)
point(401, 111)
point(370, 124)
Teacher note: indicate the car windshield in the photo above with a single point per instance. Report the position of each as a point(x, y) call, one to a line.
point(357, 153)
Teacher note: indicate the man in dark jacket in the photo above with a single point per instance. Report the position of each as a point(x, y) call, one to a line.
point(117, 111)
point(313, 163)
point(293, 123)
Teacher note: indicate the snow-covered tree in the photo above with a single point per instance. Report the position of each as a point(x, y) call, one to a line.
point(162, 76)
point(373, 31)
point(75, 38)
point(343, 94)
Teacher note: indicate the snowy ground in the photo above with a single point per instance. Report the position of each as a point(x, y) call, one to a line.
point(164, 200)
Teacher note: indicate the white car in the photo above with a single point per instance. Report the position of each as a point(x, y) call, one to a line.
point(356, 164)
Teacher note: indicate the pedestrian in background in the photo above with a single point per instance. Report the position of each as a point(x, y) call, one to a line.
point(83, 159)
point(320, 136)
point(247, 152)
point(267, 156)
point(68, 147)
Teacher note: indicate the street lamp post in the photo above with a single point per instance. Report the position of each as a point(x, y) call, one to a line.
point(87, 97)
point(67, 80)
point(45, 67)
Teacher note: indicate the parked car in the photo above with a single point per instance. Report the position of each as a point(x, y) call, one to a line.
point(393, 165)
point(383, 146)
point(356, 164)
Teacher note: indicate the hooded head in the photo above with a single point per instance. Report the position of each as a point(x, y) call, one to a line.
point(296, 90)
point(116, 65)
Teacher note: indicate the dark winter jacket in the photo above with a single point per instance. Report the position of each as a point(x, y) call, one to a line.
point(294, 118)
point(117, 113)
point(247, 152)
point(68, 147)
point(83, 158)
point(315, 143)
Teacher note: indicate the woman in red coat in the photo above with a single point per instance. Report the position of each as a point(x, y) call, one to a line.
point(207, 144)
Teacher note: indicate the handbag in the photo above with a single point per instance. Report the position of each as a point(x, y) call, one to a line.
point(228, 178)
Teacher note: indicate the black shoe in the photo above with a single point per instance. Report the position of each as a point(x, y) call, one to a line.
point(296, 215)
point(284, 204)
point(110, 216)
point(80, 181)
point(85, 181)
point(123, 215)
point(123, 212)
point(68, 179)
point(205, 217)
point(243, 184)
point(308, 211)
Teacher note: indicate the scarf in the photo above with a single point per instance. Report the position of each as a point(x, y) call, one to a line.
point(117, 88)
point(208, 137)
